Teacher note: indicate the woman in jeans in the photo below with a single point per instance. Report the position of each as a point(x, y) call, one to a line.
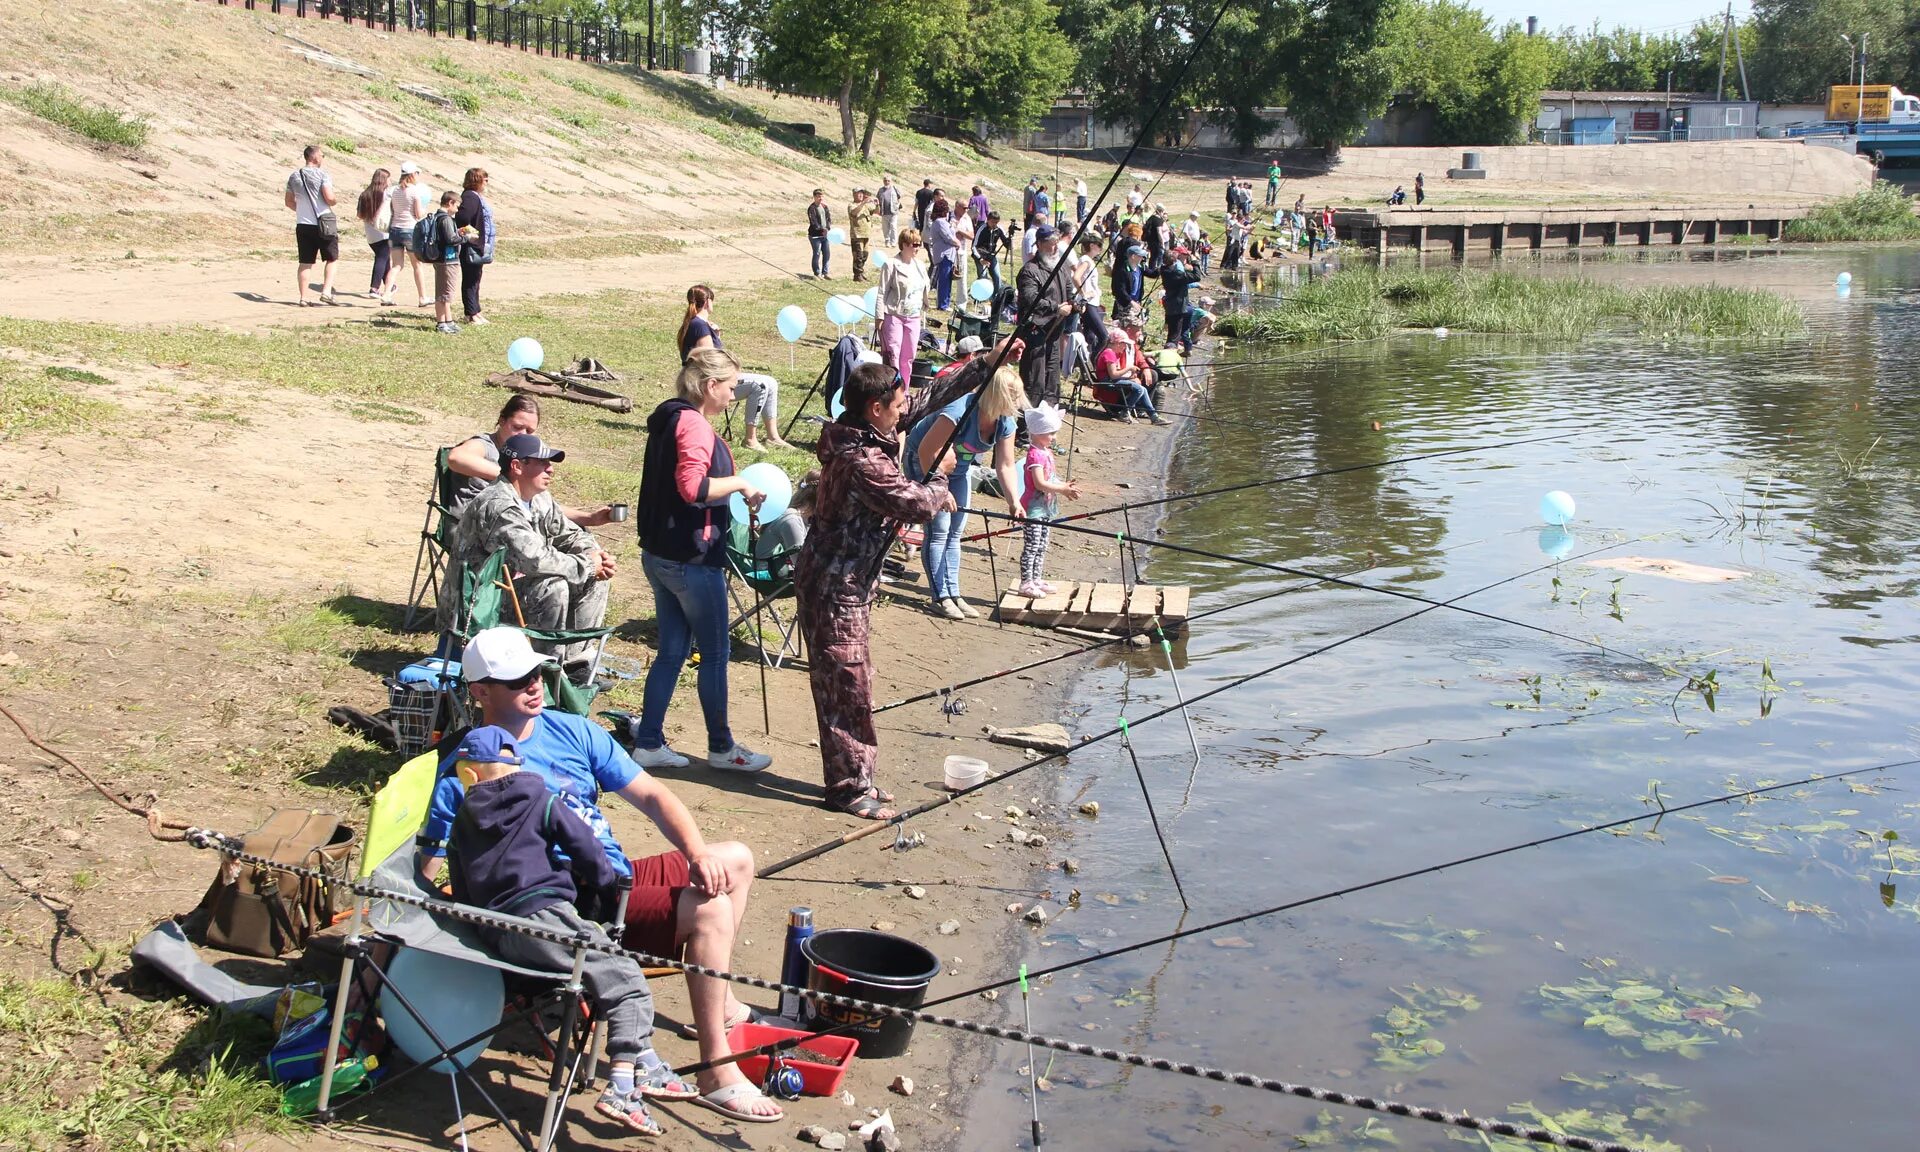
point(476, 214)
point(942, 244)
point(683, 521)
point(410, 203)
point(903, 297)
point(376, 216)
point(985, 435)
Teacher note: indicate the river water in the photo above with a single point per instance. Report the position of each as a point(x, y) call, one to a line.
point(1735, 977)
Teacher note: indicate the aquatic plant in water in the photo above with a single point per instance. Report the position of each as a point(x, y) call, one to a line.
point(1648, 1017)
point(1438, 938)
point(1406, 1043)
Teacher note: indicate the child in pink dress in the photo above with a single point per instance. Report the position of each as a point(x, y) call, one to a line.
point(1040, 502)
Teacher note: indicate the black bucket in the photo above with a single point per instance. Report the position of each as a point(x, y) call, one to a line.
point(867, 966)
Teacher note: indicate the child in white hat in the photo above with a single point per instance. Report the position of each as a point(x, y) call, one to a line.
point(1040, 502)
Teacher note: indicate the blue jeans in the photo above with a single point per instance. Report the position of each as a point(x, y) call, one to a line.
point(821, 251)
point(1138, 400)
point(941, 552)
point(943, 281)
point(690, 602)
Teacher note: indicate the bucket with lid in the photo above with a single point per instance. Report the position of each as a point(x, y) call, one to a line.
point(872, 966)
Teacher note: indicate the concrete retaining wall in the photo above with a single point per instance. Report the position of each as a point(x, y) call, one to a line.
point(1772, 170)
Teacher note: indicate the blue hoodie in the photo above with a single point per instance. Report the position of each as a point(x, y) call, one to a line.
point(501, 850)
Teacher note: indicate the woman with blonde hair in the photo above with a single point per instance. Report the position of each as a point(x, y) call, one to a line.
point(698, 333)
point(903, 297)
point(985, 422)
point(683, 522)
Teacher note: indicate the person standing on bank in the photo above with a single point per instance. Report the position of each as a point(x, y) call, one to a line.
point(1419, 188)
point(316, 230)
point(819, 221)
point(922, 200)
point(903, 298)
point(943, 245)
point(861, 490)
point(1045, 301)
point(683, 522)
point(409, 202)
point(475, 219)
point(859, 228)
point(988, 243)
point(375, 216)
point(889, 203)
point(443, 252)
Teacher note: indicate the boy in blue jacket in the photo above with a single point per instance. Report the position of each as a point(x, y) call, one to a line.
point(516, 850)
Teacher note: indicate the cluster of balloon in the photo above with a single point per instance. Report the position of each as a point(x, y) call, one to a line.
point(769, 479)
point(525, 354)
point(1556, 508)
point(845, 310)
point(981, 290)
point(836, 236)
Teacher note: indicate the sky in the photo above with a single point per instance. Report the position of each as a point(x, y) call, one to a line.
point(1647, 15)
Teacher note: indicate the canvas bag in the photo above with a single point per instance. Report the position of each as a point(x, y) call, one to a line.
point(263, 911)
point(322, 215)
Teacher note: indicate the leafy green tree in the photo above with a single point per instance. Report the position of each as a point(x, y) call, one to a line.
point(1339, 74)
point(865, 56)
point(1005, 67)
point(1800, 52)
point(1482, 86)
point(1133, 51)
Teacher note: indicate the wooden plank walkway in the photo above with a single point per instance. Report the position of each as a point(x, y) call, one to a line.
point(1100, 607)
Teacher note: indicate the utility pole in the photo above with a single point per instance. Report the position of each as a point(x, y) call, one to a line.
point(1860, 94)
point(1726, 30)
point(1739, 56)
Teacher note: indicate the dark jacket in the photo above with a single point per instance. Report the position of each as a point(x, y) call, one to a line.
point(861, 488)
point(1129, 285)
point(501, 849)
point(1176, 278)
point(1041, 288)
point(670, 527)
point(819, 218)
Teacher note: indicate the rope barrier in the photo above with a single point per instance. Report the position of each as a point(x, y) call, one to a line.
point(232, 848)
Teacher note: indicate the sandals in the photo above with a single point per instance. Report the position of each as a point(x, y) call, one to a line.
point(733, 1100)
point(630, 1110)
point(869, 805)
point(655, 1081)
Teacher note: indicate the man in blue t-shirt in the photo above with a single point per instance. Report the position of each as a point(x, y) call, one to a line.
point(695, 895)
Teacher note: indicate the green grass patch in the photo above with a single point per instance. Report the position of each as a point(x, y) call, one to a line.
point(585, 121)
point(588, 247)
point(1364, 304)
point(464, 100)
point(341, 145)
point(56, 104)
point(598, 92)
point(1882, 212)
point(77, 1071)
point(38, 404)
point(76, 375)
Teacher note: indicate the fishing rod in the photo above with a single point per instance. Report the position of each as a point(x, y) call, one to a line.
point(1343, 582)
point(942, 801)
point(1176, 497)
point(892, 528)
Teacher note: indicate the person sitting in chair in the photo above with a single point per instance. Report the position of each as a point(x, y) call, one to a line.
point(517, 851)
point(477, 460)
point(694, 896)
point(1121, 369)
point(558, 568)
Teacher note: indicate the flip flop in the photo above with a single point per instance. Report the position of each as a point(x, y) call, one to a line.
point(722, 1100)
point(867, 807)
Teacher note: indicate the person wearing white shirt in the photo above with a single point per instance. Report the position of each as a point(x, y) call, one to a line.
point(315, 227)
point(1191, 229)
point(1080, 202)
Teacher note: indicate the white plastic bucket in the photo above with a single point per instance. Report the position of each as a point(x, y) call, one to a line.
point(964, 772)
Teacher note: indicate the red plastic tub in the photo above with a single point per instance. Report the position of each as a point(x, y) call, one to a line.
point(817, 1079)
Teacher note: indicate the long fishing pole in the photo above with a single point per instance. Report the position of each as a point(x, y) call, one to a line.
point(1343, 582)
point(1033, 1074)
point(940, 802)
point(1126, 742)
point(1060, 264)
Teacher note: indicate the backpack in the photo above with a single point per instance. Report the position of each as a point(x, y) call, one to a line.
point(422, 243)
point(263, 911)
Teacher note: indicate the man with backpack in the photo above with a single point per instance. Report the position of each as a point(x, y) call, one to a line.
point(316, 230)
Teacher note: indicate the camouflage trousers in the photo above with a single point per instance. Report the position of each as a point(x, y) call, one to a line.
point(841, 675)
point(552, 604)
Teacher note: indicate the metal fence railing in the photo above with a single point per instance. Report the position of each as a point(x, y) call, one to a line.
point(556, 36)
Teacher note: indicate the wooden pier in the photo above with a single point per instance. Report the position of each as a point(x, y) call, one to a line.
point(1458, 231)
point(1094, 607)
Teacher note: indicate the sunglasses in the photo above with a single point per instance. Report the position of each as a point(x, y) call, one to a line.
point(519, 684)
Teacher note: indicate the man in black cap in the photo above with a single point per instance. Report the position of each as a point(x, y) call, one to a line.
point(559, 570)
point(1045, 295)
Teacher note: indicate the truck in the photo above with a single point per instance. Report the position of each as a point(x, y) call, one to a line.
point(1871, 104)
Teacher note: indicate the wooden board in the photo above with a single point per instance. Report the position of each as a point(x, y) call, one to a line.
point(1112, 609)
point(1106, 607)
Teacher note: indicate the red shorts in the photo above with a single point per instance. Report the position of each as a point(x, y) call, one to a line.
point(654, 904)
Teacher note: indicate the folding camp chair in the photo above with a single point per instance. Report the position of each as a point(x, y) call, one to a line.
point(436, 539)
point(487, 600)
point(382, 926)
point(769, 580)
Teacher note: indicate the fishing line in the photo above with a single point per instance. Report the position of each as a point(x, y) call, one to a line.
point(942, 801)
point(1126, 742)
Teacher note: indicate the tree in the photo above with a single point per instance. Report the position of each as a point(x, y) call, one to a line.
point(1005, 68)
point(1799, 50)
point(1482, 87)
point(863, 55)
point(1340, 77)
point(1134, 51)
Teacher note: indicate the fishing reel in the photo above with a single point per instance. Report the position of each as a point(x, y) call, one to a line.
point(783, 1079)
point(952, 705)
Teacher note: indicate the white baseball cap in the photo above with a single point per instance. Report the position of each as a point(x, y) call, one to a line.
point(498, 654)
point(409, 169)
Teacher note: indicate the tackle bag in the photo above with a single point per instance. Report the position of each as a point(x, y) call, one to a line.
point(260, 910)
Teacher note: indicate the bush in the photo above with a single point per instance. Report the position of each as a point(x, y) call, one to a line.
point(465, 101)
point(102, 125)
point(340, 144)
point(1882, 212)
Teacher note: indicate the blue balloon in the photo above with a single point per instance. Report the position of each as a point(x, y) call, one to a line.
point(836, 236)
point(1556, 507)
point(877, 259)
point(525, 353)
point(981, 290)
point(837, 311)
point(870, 303)
point(837, 405)
point(768, 478)
point(455, 998)
point(1556, 542)
point(1844, 279)
point(792, 322)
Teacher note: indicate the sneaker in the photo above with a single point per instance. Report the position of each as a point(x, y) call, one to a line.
point(1032, 589)
point(448, 327)
point(1048, 587)
point(629, 1109)
point(661, 757)
point(482, 321)
point(966, 609)
point(1126, 418)
point(739, 758)
point(387, 299)
point(374, 294)
point(950, 609)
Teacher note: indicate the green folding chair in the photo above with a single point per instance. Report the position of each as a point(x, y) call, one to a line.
point(487, 600)
point(769, 579)
point(436, 538)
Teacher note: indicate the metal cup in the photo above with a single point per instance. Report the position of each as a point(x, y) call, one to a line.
point(619, 512)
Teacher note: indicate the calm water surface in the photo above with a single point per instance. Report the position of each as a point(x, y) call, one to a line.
point(1737, 977)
